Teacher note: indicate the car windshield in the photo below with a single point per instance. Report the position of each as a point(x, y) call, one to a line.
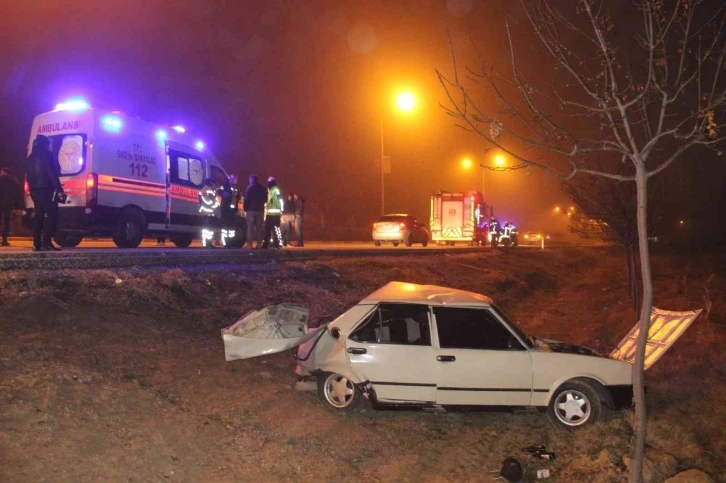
point(528, 340)
point(393, 218)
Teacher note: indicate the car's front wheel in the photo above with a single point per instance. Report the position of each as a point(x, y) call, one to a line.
point(575, 404)
point(338, 392)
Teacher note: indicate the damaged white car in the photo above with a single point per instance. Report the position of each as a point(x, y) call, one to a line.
point(429, 346)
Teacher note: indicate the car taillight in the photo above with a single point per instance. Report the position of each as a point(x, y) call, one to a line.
point(402, 225)
point(91, 190)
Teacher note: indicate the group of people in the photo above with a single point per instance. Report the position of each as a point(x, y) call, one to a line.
point(271, 219)
point(282, 215)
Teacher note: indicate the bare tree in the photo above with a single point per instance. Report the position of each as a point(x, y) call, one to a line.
point(606, 211)
point(642, 85)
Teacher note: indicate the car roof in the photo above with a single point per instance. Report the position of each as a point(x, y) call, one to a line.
point(395, 214)
point(401, 292)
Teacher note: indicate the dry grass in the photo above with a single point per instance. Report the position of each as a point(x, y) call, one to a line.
point(118, 374)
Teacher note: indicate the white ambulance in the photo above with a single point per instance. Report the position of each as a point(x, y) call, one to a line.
point(125, 178)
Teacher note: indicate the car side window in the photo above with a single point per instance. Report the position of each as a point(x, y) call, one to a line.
point(400, 324)
point(464, 328)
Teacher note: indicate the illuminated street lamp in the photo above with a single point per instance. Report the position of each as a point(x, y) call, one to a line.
point(557, 209)
point(405, 102)
point(500, 160)
point(467, 163)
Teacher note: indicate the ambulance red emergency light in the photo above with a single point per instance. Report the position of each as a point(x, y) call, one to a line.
point(124, 177)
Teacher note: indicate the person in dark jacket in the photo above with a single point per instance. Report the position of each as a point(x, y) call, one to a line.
point(299, 218)
point(254, 206)
point(9, 200)
point(42, 175)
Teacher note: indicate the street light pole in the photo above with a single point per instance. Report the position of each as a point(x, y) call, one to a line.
point(382, 174)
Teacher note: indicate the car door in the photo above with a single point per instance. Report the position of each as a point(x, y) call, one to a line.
point(392, 349)
point(480, 360)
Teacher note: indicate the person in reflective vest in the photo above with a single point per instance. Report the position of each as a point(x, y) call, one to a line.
point(228, 196)
point(275, 206)
point(493, 230)
point(209, 209)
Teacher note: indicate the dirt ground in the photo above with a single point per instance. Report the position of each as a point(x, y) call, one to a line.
point(120, 375)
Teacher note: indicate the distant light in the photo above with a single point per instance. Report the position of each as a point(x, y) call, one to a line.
point(199, 145)
point(681, 222)
point(162, 134)
point(179, 129)
point(73, 105)
point(467, 163)
point(557, 209)
point(406, 101)
point(111, 123)
point(572, 208)
point(499, 160)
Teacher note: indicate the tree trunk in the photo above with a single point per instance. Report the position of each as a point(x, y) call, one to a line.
point(633, 291)
point(636, 467)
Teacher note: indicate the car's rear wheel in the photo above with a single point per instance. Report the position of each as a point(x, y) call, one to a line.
point(409, 240)
point(395, 244)
point(425, 242)
point(575, 404)
point(376, 243)
point(338, 392)
point(67, 241)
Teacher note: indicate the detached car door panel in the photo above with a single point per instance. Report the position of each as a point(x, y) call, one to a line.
point(480, 361)
point(392, 349)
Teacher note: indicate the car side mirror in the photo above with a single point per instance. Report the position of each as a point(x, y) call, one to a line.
point(335, 332)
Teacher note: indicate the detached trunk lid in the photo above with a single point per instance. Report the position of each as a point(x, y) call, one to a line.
point(665, 328)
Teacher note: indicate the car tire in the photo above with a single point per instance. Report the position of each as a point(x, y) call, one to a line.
point(130, 229)
point(425, 242)
point(346, 401)
point(376, 243)
point(574, 405)
point(395, 244)
point(409, 240)
point(67, 241)
point(182, 241)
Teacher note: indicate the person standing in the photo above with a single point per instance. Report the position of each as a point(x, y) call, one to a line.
point(275, 205)
point(42, 175)
point(299, 218)
point(288, 220)
point(254, 207)
point(209, 208)
point(228, 211)
point(9, 200)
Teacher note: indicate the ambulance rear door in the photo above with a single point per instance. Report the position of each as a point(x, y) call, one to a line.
point(130, 168)
point(187, 170)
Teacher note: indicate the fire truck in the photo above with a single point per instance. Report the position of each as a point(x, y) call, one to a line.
point(459, 217)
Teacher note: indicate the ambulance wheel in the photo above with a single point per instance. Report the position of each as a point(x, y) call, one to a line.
point(67, 241)
point(395, 244)
point(182, 241)
point(376, 243)
point(130, 229)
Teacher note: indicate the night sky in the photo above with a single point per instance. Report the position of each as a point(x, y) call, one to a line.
point(295, 89)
